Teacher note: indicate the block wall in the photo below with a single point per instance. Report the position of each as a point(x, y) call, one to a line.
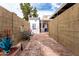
point(65, 29)
point(9, 20)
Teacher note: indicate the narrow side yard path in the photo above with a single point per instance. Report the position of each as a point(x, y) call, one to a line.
point(42, 45)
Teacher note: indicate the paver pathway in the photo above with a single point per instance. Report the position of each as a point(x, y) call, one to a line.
point(42, 45)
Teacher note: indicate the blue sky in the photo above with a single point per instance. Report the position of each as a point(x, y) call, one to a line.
point(43, 8)
point(46, 6)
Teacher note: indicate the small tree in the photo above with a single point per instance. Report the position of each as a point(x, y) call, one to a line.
point(34, 12)
point(28, 11)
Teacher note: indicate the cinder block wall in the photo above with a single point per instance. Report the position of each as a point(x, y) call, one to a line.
point(17, 23)
point(11, 21)
point(5, 19)
point(16, 28)
point(26, 25)
point(65, 29)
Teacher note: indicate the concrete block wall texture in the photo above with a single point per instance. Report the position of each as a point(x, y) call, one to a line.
point(17, 23)
point(53, 29)
point(66, 28)
point(16, 28)
point(25, 23)
point(11, 21)
point(5, 22)
point(50, 28)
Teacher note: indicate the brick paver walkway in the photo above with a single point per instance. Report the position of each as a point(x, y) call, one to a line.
point(43, 45)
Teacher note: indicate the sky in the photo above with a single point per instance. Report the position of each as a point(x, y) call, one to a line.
point(46, 8)
point(42, 8)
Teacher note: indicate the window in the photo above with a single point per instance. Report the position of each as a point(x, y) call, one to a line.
point(34, 26)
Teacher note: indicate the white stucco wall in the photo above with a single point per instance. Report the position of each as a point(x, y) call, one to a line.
point(37, 30)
